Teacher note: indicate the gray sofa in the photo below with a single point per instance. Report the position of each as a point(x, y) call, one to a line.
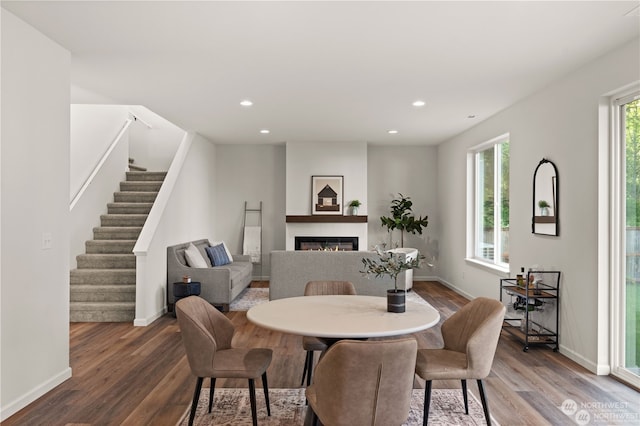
point(219, 284)
point(291, 270)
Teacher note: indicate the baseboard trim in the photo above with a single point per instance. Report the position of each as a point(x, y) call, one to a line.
point(143, 322)
point(26, 399)
point(455, 288)
point(599, 369)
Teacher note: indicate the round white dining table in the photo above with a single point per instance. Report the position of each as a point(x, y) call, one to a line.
point(342, 317)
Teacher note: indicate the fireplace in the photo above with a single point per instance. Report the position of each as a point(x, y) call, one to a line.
point(327, 243)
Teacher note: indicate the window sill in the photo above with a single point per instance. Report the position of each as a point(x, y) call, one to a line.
point(498, 270)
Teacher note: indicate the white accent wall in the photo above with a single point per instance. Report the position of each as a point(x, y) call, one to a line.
point(34, 203)
point(337, 159)
point(559, 123)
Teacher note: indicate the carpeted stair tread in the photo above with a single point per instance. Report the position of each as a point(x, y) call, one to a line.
point(103, 293)
point(109, 246)
point(137, 168)
point(122, 220)
point(106, 261)
point(135, 196)
point(103, 276)
point(146, 176)
point(129, 208)
point(116, 232)
point(140, 186)
point(102, 311)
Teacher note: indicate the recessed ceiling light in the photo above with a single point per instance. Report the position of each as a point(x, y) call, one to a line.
point(246, 103)
point(392, 132)
point(471, 116)
point(265, 131)
point(418, 103)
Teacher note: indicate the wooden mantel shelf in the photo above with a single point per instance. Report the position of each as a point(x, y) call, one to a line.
point(327, 219)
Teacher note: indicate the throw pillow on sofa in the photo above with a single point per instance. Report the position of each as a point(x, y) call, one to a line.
point(194, 258)
point(225, 249)
point(218, 255)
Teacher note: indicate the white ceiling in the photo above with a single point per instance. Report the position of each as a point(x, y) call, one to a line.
point(327, 71)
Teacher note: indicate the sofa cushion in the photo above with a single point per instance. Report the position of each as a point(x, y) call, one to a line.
point(194, 258)
point(240, 273)
point(218, 255)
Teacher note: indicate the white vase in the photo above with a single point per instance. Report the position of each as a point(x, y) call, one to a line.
point(354, 211)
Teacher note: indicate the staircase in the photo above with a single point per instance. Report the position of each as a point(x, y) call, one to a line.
point(103, 287)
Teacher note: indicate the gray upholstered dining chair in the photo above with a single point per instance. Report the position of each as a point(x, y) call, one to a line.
point(207, 334)
point(470, 340)
point(312, 344)
point(364, 383)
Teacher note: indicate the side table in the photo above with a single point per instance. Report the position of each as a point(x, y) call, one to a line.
point(182, 290)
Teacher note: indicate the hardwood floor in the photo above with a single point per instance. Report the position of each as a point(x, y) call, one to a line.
point(139, 376)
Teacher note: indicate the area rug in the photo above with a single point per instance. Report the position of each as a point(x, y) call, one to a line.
point(254, 296)
point(231, 407)
point(249, 297)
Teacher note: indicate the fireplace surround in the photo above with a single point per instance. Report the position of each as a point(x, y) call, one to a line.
point(326, 243)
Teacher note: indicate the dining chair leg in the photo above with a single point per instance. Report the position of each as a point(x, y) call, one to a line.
point(252, 399)
point(309, 366)
point(211, 390)
point(485, 406)
point(427, 402)
point(196, 397)
point(464, 396)
point(265, 387)
point(304, 372)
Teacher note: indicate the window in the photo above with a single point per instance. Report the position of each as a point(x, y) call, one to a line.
point(626, 239)
point(488, 212)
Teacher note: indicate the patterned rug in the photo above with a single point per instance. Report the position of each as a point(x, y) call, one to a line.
point(231, 407)
point(254, 296)
point(248, 298)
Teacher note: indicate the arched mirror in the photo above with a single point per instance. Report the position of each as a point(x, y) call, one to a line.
point(545, 199)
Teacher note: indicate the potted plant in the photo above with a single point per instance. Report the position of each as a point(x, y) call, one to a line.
point(544, 207)
point(402, 218)
point(391, 264)
point(354, 204)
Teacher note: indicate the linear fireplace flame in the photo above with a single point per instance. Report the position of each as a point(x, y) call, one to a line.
point(327, 243)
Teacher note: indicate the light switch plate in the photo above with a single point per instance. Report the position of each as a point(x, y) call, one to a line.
point(47, 240)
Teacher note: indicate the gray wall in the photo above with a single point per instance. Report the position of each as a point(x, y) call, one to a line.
point(412, 171)
point(251, 173)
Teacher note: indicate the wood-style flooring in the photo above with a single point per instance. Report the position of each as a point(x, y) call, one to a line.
point(125, 375)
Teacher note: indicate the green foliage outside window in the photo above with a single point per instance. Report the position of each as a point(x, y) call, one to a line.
point(488, 215)
point(632, 133)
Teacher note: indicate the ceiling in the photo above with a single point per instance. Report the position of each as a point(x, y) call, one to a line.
point(329, 71)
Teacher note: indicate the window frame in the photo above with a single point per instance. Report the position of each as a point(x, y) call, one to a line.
point(473, 216)
point(617, 226)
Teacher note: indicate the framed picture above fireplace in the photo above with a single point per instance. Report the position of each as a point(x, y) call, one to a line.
point(326, 195)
